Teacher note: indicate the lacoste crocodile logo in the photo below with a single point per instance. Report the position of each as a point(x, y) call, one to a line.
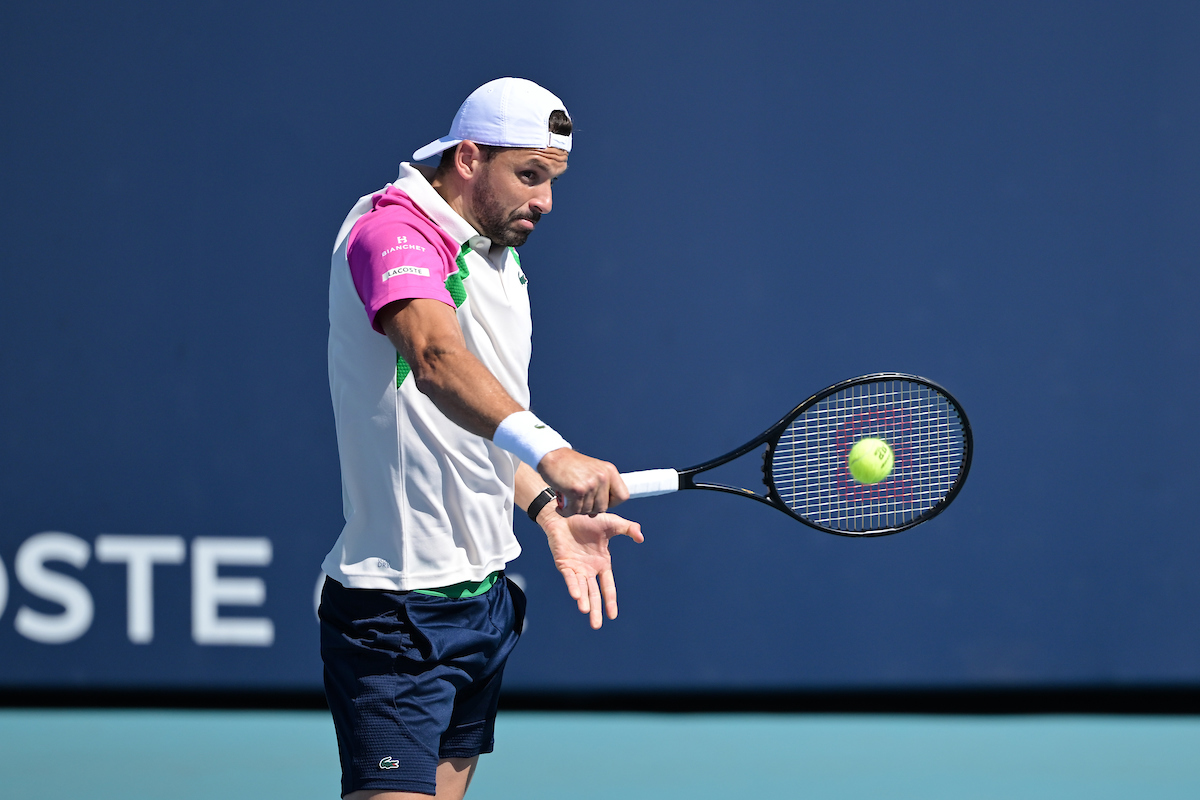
point(388, 763)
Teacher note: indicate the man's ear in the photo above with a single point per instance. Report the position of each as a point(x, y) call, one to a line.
point(467, 159)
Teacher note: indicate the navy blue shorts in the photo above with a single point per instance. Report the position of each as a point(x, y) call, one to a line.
point(412, 679)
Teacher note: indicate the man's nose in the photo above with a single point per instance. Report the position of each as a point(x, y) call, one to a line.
point(543, 201)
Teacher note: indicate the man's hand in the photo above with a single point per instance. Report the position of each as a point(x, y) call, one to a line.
point(579, 545)
point(585, 485)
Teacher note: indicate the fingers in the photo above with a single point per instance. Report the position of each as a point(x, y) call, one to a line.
point(584, 484)
point(572, 581)
point(602, 591)
point(608, 587)
point(580, 546)
point(589, 495)
point(604, 490)
point(594, 614)
point(618, 492)
point(581, 593)
point(587, 603)
point(594, 596)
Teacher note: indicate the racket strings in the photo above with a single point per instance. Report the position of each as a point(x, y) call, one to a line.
point(924, 428)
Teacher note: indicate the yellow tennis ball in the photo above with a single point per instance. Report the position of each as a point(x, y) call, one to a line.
point(870, 460)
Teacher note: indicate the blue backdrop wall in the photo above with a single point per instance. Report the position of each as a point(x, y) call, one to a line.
point(1009, 193)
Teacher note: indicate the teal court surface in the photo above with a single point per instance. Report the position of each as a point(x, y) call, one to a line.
point(189, 755)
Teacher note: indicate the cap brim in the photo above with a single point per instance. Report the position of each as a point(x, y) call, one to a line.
point(435, 147)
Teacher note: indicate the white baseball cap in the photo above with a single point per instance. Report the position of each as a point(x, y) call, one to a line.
point(506, 112)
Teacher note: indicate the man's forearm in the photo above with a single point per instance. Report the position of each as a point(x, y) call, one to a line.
point(427, 335)
point(465, 391)
point(529, 484)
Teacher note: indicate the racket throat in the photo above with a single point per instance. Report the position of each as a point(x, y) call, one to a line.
point(687, 480)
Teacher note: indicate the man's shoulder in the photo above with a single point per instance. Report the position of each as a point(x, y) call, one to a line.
point(395, 221)
point(394, 204)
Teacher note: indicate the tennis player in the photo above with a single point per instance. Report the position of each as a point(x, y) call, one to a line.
point(429, 348)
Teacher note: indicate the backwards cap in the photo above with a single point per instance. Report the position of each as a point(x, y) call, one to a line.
point(506, 112)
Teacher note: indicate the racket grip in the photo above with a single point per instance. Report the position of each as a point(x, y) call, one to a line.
point(649, 482)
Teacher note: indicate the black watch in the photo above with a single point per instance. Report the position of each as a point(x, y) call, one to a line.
point(539, 502)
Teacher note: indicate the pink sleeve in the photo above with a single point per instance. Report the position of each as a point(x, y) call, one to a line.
point(393, 260)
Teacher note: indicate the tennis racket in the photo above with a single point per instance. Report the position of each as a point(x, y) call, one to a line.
point(805, 464)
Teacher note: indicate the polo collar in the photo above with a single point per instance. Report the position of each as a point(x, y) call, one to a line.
point(414, 183)
point(480, 244)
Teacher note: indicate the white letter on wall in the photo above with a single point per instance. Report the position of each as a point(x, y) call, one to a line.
point(210, 591)
point(3, 587)
point(73, 596)
point(140, 554)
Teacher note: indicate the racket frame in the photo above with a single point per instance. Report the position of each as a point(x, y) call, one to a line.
point(771, 435)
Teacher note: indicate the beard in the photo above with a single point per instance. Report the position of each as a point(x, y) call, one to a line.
point(494, 222)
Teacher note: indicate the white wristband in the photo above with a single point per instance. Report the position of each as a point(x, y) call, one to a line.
point(527, 437)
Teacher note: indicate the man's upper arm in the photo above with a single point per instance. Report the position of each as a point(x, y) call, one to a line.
point(392, 260)
point(415, 325)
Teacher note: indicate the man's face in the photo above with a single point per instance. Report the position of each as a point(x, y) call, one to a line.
point(512, 191)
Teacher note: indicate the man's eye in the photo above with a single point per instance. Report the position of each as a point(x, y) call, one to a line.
point(529, 175)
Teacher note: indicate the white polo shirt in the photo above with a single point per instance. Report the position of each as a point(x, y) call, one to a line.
point(426, 503)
